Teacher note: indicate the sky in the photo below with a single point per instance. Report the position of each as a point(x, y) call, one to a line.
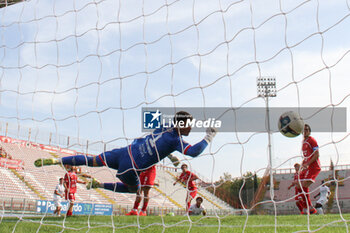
point(84, 69)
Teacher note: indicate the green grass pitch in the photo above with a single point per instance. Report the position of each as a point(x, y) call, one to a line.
point(177, 224)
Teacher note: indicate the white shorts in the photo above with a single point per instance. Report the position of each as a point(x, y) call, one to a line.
point(57, 202)
point(322, 201)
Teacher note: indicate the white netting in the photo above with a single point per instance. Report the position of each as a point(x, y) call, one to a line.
point(84, 69)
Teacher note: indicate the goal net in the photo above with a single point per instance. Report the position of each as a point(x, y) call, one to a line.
point(78, 77)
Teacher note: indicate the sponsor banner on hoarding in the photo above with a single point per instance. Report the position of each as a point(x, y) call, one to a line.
point(13, 141)
point(11, 163)
point(49, 207)
point(53, 149)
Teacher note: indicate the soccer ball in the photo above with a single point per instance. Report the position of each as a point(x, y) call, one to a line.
point(290, 124)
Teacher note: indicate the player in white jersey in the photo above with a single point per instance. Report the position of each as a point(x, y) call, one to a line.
point(324, 195)
point(57, 197)
point(197, 209)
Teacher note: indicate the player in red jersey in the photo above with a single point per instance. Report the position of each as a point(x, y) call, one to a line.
point(147, 178)
point(188, 178)
point(311, 167)
point(296, 182)
point(70, 184)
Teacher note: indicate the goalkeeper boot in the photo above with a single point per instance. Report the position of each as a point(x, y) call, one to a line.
point(46, 162)
point(94, 183)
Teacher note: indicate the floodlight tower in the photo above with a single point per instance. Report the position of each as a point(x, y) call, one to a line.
point(266, 89)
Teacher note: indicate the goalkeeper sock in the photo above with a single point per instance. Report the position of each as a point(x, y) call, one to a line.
point(78, 160)
point(120, 187)
point(116, 187)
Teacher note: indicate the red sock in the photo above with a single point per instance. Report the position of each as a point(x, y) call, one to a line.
point(300, 198)
point(298, 190)
point(306, 198)
point(188, 205)
point(309, 200)
point(303, 204)
point(69, 213)
point(145, 204)
point(136, 205)
point(299, 205)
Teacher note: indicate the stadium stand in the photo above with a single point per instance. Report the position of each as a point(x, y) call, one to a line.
point(28, 183)
point(178, 193)
point(284, 198)
point(12, 186)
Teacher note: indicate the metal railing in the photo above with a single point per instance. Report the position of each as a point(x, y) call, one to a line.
point(323, 168)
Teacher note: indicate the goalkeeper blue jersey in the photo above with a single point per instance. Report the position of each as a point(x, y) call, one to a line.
point(154, 147)
point(139, 156)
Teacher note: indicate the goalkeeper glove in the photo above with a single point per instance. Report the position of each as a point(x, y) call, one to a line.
point(211, 132)
point(174, 160)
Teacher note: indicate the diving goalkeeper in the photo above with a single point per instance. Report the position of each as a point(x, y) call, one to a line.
point(142, 154)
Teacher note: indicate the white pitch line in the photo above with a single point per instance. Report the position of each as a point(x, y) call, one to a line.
point(48, 222)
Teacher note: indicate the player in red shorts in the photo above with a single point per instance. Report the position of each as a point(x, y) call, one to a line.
point(311, 167)
point(70, 184)
point(296, 182)
point(147, 181)
point(188, 178)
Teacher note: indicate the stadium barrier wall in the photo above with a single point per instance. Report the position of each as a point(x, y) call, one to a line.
point(29, 206)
